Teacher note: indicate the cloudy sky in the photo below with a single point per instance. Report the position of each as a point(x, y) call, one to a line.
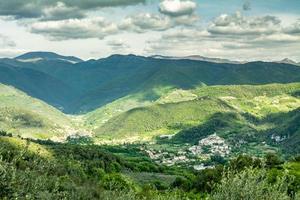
point(232, 29)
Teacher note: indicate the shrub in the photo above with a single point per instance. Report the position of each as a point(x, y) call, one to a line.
point(4, 133)
point(251, 184)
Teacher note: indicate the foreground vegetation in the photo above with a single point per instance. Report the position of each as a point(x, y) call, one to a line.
point(47, 170)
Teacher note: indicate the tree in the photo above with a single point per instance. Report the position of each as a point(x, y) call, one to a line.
point(244, 161)
point(251, 184)
point(4, 133)
point(273, 161)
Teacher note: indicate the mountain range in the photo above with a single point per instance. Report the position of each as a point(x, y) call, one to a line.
point(75, 86)
point(129, 98)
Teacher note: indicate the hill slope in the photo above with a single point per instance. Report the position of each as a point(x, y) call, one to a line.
point(170, 115)
point(23, 115)
point(37, 84)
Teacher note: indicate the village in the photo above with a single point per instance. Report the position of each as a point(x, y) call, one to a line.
point(192, 156)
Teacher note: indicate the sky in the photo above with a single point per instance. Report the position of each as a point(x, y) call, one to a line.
point(233, 29)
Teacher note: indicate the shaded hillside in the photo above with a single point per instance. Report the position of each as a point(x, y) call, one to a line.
point(37, 84)
point(85, 86)
point(23, 115)
point(287, 127)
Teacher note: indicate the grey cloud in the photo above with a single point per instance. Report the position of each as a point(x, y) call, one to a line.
point(35, 9)
point(20, 8)
point(175, 8)
point(90, 4)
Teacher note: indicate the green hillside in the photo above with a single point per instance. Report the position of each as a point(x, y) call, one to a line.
point(159, 119)
point(235, 109)
point(28, 117)
point(178, 110)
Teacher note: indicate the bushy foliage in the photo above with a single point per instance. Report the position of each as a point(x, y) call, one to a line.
point(65, 171)
point(251, 184)
point(4, 133)
point(244, 161)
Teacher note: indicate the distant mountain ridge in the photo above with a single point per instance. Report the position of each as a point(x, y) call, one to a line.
point(289, 61)
point(199, 58)
point(219, 60)
point(39, 55)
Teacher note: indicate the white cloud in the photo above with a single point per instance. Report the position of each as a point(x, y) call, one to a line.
point(237, 24)
point(6, 42)
point(96, 27)
point(277, 37)
point(294, 28)
point(99, 27)
point(145, 22)
point(187, 20)
point(118, 45)
point(60, 12)
point(232, 37)
point(177, 8)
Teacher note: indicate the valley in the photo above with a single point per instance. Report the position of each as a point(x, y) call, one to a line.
point(175, 117)
point(181, 106)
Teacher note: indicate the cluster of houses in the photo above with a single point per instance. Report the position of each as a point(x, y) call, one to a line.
point(192, 156)
point(167, 158)
point(278, 138)
point(211, 145)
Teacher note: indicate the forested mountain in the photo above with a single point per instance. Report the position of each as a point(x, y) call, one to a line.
point(79, 87)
